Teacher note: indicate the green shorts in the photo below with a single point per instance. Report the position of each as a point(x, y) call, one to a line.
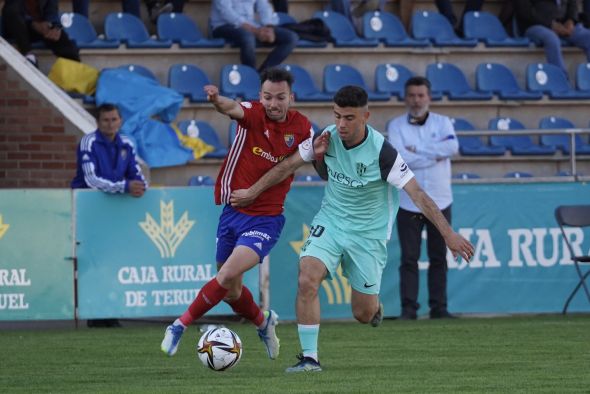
point(363, 259)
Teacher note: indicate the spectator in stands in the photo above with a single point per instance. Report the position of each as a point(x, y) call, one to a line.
point(548, 22)
point(445, 8)
point(247, 23)
point(426, 141)
point(129, 6)
point(27, 21)
point(107, 162)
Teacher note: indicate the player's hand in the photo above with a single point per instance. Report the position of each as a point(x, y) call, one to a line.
point(459, 246)
point(212, 93)
point(136, 188)
point(241, 198)
point(321, 145)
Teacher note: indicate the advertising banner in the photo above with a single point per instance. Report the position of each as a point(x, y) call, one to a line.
point(521, 264)
point(36, 265)
point(148, 256)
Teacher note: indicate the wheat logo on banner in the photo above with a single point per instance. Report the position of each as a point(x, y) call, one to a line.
point(3, 227)
point(167, 235)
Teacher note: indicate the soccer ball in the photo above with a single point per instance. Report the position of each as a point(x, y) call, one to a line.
point(219, 348)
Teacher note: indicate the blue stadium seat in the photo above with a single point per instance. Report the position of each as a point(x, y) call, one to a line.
point(303, 86)
point(487, 28)
point(391, 79)
point(181, 29)
point(466, 175)
point(239, 80)
point(551, 80)
point(474, 145)
point(339, 75)
point(286, 19)
point(431, 25)
point(139, 69)
point(387, 28)
point(201, 180)
point(518, 174)
point(342, 30)
point(189, 81)
point(204, 131)
point(130, 29)
point(583, 77)
point(448, 79)
point(562, 141)
point(498, 79)
point(81, 31)
point(517, 144)
point(308, 178)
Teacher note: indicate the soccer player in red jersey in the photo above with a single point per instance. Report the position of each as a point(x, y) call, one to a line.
point(268, 131)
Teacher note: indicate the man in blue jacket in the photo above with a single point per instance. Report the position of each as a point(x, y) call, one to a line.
point(107, 160)
point(27, 21)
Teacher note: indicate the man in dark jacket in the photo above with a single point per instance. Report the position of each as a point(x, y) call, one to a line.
point(547, 22)
point(27, 21)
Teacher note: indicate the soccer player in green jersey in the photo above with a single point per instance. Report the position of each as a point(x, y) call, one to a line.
point(355, 218)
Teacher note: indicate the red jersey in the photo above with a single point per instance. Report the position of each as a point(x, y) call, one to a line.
point(259, 145)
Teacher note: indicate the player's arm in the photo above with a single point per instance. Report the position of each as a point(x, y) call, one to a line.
point(245, 197)
point(223, 105)
point(458, 245)
point(321, 144)
point(136, 182)
point(307, 152)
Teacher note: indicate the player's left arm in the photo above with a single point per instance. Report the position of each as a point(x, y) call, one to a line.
point(458, 245)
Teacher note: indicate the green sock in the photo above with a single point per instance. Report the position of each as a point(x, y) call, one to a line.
point(308, 337)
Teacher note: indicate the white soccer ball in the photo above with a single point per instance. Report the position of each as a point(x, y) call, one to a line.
point(219, 348)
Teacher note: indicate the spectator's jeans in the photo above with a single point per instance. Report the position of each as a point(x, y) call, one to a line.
point(552, 43)
point(285, 42)
point(128, 6)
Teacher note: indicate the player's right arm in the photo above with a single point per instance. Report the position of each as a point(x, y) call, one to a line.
point(307, 152)
point(223, 105)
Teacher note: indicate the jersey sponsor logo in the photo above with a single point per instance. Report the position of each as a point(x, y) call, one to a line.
point(361, 168)
point(258, 151)
point(167, 235)
point(3, 227)
point(344, 179)
point(289, 139)
point(257, 234)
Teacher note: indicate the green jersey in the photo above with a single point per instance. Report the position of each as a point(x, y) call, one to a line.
point(359, 197)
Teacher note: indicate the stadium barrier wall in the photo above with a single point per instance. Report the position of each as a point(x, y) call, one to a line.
point(148, 257)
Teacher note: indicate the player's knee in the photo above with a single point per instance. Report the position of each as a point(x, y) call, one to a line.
point(307, 284)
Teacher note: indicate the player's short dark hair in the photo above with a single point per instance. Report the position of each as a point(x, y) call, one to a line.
point(351, 96)
point(107, 107)
point(418, 81)
point(276, 74)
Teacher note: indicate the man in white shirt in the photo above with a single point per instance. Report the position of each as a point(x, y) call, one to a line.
point(426, 140)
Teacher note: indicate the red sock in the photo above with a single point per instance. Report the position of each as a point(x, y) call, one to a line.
point(246, 307)
point(210, 295)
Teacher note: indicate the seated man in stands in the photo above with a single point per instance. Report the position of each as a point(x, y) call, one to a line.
point(236, 21)
point(547, 22)
point(27, 21)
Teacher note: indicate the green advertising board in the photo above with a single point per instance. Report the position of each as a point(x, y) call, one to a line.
point(36, 265)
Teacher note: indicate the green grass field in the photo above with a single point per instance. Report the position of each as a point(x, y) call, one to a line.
point(517, 354)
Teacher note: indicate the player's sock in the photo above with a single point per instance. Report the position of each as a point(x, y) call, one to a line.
point(210, 295)
point(308, 338)
point(246, 307)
